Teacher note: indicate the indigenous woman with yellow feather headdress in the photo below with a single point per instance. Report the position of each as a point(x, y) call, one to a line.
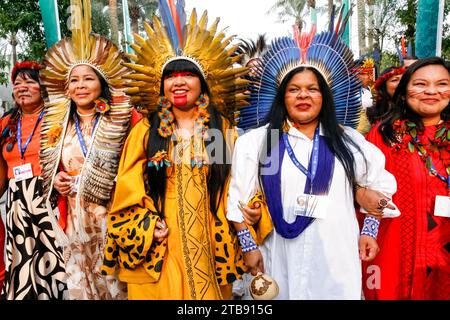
point(167, 230)
point(83, 131)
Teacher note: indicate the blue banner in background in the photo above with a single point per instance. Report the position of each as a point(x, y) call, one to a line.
point(127, 26)
point(50, 17)
point(427, 23)
point(346, 34)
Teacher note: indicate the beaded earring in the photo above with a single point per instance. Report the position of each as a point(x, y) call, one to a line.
point(166, 117)
point(101, 105)
point(201, 123)
point(200, 128)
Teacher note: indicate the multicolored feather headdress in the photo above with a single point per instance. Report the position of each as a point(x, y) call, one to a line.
point(177, 39)
point(368, 66)
point(102, 160)
point(326, 53)
point(250, 50)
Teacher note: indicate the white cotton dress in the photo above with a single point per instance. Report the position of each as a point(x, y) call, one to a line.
point(323, 261)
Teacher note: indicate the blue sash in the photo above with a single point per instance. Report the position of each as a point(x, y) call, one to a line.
point(320, 186)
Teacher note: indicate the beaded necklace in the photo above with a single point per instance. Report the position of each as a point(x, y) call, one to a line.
point(413, 140)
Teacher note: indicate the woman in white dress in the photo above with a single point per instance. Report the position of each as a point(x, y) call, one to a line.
point(306, 165)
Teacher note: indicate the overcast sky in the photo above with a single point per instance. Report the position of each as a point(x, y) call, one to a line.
point(248, 18)
point(245, 18)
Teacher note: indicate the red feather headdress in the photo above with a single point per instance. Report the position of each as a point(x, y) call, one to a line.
point(24, 65)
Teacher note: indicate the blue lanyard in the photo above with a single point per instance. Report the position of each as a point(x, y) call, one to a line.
point(19, 134)
point(434, 172)
point(80, 135)
point(314, 156)
point(437, 174)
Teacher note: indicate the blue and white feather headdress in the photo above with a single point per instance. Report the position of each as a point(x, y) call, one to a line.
point(327, 53)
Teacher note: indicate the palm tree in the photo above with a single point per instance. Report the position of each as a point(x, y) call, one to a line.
point(385, 21)
point(141, 9)
point(290, 9)
point(371, 24)
point(114, 21)
point(312, 8)
point(13, 43)
point(360, 5)
point(330, 9)
point(135, 14)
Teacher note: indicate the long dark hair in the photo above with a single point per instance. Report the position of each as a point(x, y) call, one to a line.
point(383, 102)
point(334, 134)
point(401, 110)
point(218, 172)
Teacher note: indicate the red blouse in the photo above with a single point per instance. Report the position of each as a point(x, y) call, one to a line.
point(414, 260)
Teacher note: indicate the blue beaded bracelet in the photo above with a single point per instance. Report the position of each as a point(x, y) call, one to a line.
point(370, 227)
point(246, 240)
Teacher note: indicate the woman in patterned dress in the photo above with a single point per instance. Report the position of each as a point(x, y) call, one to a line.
point(34, 264)
point(167, 231)
point(85, 125)
point(191, 248)
point(83, 257)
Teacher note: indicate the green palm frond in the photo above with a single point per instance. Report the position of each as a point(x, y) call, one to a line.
point(289, 9)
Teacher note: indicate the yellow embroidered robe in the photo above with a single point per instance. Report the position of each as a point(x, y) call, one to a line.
point(199, 259)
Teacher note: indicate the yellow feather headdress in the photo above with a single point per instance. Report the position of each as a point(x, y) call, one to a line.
point(368, 66)
point(193, 41)
point(102, 160)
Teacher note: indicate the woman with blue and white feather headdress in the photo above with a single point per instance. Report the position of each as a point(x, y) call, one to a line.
point(302, 161)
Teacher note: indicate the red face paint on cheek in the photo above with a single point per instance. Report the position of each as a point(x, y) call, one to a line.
point(34, 88)
point(180, 101)
point(421, 93)
point(445, 93)
point(415, 93)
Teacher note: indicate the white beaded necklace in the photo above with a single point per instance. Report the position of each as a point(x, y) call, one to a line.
point(85, 115)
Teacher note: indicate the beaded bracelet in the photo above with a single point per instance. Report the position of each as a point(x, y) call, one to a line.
point(246, 240)
point(370, 227)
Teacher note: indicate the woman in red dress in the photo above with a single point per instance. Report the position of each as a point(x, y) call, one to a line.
point(414, 258)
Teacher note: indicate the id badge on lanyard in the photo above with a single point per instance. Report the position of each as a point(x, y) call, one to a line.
point(309, 205)
point(23, 172)
point(442, 203)
point(76, 184)
point(442, 206)
point(312, 206)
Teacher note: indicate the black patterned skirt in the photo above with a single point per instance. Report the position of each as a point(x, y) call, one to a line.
point(34, 263)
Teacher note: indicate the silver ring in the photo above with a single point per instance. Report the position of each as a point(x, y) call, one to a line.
point(382, 203)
